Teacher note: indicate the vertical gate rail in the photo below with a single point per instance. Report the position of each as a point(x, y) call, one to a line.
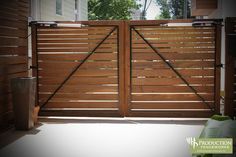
point(230, 72)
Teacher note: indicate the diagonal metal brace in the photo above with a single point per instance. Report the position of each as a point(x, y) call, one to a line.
point(175, 71)
point(77, 67)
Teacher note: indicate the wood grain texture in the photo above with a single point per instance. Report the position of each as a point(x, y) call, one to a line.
point(230, 108)
point(125, 72)
point(156, 90)
point(13, 52)
point(95, 83)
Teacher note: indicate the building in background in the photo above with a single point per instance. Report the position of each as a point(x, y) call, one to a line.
point(59, 10)
point(211, 9)
point(136, 14)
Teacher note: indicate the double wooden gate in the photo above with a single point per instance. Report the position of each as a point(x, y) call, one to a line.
point(127, 68)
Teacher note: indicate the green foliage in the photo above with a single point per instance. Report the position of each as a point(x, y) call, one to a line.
point(173, 9)
point(165, 9)
point(111, 9)
point(177, 8)
point(220, 118)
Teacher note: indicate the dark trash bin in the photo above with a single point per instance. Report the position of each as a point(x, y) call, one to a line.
point(23, 98)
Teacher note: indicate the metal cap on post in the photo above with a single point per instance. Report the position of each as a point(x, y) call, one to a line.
point(23, 98)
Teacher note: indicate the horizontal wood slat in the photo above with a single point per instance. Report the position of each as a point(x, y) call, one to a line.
point(171, 97)
point(78, 80)
point(171, 30)
point(171, 89)
point(171, 113)
point(79, 88)
point(13, 52)
point(75, 96)
point(71, 65)
point(72, 57)
point(174, 105)
point(174, 40)
point(95, 105)
point(180, 64)
point(11, 69)
point(169, 72)
point(171, 81)
point(20, 51)
point(176, 44)
point(13, 41)
point(172, 56)
point(9, 60)
point(70, 36)
point(82, 72)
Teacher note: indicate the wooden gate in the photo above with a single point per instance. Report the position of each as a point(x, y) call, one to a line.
point(174, 68)
point(79, 66)
point(128, 68)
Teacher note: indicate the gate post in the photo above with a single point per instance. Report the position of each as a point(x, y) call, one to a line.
point(122, 65)
point(34, 64)
point(127, 49)
point(217, 67)
point(229, 70)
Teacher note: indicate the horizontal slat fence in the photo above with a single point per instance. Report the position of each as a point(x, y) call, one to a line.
point(156, 90)
point(230, 69)
point(13, 51)
point(125, 76)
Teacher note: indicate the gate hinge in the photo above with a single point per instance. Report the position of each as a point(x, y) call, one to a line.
point(219, 65)
point(33, 67)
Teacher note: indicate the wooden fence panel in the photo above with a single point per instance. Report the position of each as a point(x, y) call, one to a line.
point(13, 51)
point(230, 72)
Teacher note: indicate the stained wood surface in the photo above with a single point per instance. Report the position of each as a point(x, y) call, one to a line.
point(230, 72)
point(124, 74)
point(95, 84)
point(13, 51)
point(155, 87)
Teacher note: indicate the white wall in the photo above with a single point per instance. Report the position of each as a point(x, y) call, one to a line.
point(48, 10)
point(82, 10)
point(45, 10)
